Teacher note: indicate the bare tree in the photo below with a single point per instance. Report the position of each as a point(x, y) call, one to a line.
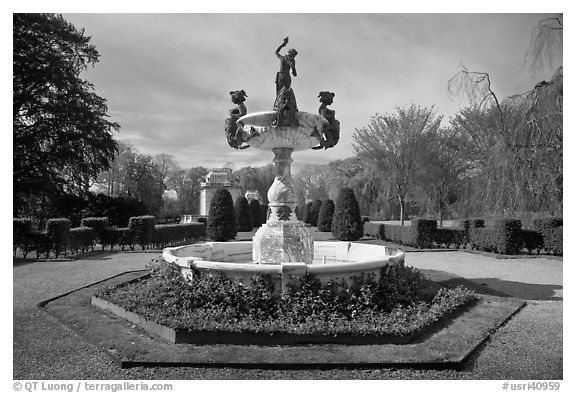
point(545, 50)
point(393, 144)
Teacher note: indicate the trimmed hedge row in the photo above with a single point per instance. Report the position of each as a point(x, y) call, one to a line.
point(552, 234)
point(421, 233)
point(505, 236)
point(58, 238)
point(374, 230)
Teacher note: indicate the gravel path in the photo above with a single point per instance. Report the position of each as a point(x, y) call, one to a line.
point(529, 346)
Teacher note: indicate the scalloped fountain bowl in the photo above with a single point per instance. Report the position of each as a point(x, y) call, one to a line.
point(263, 136)
point(332, 260)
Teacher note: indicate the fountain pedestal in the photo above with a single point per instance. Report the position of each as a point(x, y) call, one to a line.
point(283, 238)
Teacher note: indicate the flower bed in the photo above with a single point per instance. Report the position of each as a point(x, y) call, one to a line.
point(401, 304)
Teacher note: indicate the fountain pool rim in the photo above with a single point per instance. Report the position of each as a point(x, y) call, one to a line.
point(332, 260)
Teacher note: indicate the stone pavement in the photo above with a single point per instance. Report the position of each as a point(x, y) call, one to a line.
point(525, 278)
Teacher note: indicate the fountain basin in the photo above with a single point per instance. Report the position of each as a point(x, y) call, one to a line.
point(332, 260)
point(262, 135)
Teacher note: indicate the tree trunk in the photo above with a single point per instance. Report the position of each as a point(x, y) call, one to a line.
point(440, 215)
point(401, 200)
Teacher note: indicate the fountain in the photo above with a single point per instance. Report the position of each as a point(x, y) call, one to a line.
point(283, 246)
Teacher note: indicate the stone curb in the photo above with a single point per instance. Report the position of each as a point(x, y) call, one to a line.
point(131, 346)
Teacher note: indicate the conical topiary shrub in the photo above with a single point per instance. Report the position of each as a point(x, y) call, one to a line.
point(307, 214)
point(314, 211)
point(300, 211)
point(243, 215)
point(221, 217)
point(256, 210)
point(325, 216)
point(347, 222)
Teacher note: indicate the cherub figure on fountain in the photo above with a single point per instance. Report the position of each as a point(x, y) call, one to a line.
point(330, 134)
point(234, 131)
point(285, 102)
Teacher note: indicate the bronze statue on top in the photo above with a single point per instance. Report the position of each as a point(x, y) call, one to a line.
point(330, 133)
point(233, 131)
point(285, 103)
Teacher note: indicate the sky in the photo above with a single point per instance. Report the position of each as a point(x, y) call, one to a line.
point(167, 76)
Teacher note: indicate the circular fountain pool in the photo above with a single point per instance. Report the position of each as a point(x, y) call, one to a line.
point(332, 260)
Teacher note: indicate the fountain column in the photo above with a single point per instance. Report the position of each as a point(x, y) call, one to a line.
point(283, 238)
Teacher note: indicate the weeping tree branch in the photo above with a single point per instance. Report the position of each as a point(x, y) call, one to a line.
point(545, 45)
point(476, 87)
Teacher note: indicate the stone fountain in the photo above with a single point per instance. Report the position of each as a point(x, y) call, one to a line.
point(283, 246)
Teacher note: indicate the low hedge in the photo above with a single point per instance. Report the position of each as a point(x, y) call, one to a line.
point(399, 234)
point(424, 231)
point(504, 237)
point(374, 230)
point(98, 224)
point(59, 238)
point(166, 235)
point(40, 243)
point(468, 224)
point(483, 239)
point(449, 237)
point(531, 240)
point(142, 230)
point(58, 233)
point(551, 231)
point(21, 229)
point(82, 239)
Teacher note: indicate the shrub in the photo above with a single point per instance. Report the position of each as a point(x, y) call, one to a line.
point(99, 224)
point(400, 234)
point(256, 210)
point(243, 213)
point(347, 223)
point(531, 240)
point(424, 231)
point(314, 211)
point(222, 217)
point(399, 302)
point(307, 212)
point(449, 236)
point(110, 237)
point(125, 238)
point(21, 229)
point(300, 211)
point(168, 234)
point(483, 239)
point(374, 230)
point(508, 240)
point(40, 242)
point(420, 233)
point(58, 235)
point(469, 224)
point(82, 238)
point(326, 215)
point(504, 237)
point(551, 231)
point(554, 241)
point(265, 212)
point(142, 230)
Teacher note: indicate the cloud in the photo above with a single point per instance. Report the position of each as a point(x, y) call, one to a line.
point(166, 77)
